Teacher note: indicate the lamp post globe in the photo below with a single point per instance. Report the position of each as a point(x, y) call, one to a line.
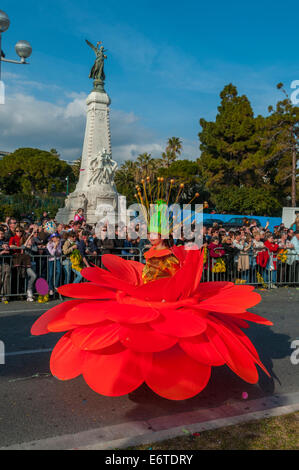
point(4, 22)
point(23, 49)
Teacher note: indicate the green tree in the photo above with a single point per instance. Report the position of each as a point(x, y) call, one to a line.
point(228, 143)
point(145, 165)
point(186, 172)
point(247, 200)
point(242, 153)
point(33, 171)
point(278, 154)
point(172, 151)
point(131, 173)
point(125, 180)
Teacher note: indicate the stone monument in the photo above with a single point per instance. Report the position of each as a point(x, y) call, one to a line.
point(95, 191)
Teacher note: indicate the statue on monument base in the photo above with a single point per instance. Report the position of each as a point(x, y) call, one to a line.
point(97, 71)
point(102, 169)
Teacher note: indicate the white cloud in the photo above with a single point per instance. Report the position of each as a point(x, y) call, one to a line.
point(76, 107)
point(26, 121)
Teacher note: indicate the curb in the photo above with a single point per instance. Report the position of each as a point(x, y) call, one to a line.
point(167, 427)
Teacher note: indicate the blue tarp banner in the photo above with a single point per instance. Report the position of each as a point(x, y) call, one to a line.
point(263, 220)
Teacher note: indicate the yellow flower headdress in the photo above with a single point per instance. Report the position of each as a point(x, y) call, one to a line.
point(154, 201)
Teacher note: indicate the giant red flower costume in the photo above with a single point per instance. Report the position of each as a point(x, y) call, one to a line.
point(167, 333)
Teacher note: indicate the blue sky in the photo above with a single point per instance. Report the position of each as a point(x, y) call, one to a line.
point(167, 63)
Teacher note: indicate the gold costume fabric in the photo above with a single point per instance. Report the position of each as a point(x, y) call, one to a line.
point(159, 264)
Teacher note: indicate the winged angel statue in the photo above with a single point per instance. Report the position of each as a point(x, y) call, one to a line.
point(97, 71)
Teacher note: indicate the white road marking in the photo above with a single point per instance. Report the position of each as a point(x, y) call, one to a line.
point(28, 351)
point(25, 310)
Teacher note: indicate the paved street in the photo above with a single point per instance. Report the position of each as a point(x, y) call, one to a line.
point(34, 405)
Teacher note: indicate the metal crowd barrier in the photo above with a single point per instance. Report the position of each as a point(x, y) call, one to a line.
point(286, 272)
point(14, 280)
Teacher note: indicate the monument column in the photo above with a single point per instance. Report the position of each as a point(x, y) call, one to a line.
point(97, 134)
point(95, 191)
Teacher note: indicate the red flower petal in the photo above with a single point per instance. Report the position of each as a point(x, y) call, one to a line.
point(116, 374)
point(218, 343)
point(86, 290)
point(231, 300)
point(40, 327)
point(115, 348)
point(240, 361)
point(96, 337)
point(245, 341)
point(176, 376)
point(124, 313)
point(179, 323)
point(180, 253)
point(66, 360)
point(202, 350)
point(186, 280)
point(158, 290)
point(255, 318)
point(138, 268)
point(121, 269)
point(208, 289)
point(87, 313)
point(178, 286)
point(103, 278)
point(60, 323)
point(143, 339)
point(230, 320)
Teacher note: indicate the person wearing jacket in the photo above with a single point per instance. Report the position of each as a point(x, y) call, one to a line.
point(79, 216)
point(84, 246)
point(216, 252)
point(31, 249)
point(68, 248)
point(104, 245)
point(230, 253)
point(54, 262)
point(22, 259)
point(271, 268)
point(5, 268)
point(244, 258)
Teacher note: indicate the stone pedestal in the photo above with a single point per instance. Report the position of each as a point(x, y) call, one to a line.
point(95, 188)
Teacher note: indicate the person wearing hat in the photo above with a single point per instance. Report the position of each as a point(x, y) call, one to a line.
point(54, 262)
point(160, 260)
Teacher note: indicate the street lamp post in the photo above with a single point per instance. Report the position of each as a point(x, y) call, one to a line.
point(23, 48)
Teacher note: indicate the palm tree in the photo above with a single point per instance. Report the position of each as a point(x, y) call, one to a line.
point(145, 164)
point(127, 173)
point(168, 158)
point(174, 145)
point(125, 179)
point(173, 149)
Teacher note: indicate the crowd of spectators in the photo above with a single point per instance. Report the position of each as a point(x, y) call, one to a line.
point(252, 254)
point(58, 252)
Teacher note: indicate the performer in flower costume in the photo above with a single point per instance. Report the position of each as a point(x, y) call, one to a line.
point(160, 259)
point(156, 324)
